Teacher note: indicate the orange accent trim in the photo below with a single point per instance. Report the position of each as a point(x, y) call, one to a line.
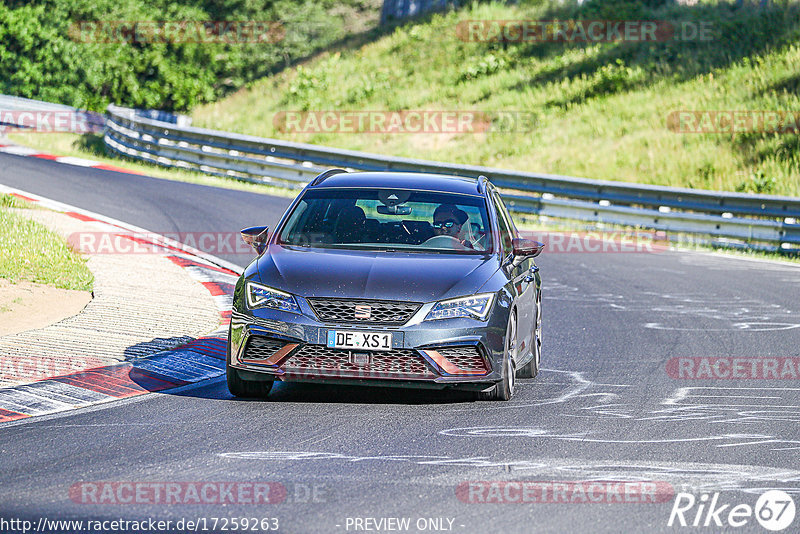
point(448, 366)
point(276, 357)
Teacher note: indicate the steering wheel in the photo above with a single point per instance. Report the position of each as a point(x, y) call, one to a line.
point(444, 241)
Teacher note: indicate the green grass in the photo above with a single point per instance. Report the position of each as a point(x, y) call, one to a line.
point(31, 252)
point(8, 201)
point(601, 109)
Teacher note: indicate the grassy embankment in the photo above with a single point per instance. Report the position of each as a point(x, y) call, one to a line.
point(31, 252)
point(601, 109)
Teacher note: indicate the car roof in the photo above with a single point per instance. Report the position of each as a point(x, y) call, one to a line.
point(403, 180)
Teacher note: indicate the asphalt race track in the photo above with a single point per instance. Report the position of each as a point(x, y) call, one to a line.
point(604, 407)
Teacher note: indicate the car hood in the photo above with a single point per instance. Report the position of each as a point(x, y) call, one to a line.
point(375, 275)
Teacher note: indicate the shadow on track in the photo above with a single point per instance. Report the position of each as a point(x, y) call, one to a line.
point(332, 394)
point(162, 374)
point(303, 393)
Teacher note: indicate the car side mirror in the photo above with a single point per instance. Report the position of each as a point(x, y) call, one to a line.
point(256, 237)
point(526, 247)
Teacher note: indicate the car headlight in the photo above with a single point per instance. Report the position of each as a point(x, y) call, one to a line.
point(476, 306)
point(259, 296)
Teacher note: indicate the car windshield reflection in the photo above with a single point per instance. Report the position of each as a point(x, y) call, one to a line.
point(389, 220)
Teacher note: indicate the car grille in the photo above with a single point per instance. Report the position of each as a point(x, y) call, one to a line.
point(380, 311)
point(389, 364)
point(266, 351)
point(259, 347)
point(465, 358)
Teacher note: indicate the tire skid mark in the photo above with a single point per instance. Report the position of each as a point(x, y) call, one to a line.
point(712, 414)
point(684, 476)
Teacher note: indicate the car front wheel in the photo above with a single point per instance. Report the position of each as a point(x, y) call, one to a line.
point(504, 389)
point(244, 388)
point(531, 369)
point(249, 389)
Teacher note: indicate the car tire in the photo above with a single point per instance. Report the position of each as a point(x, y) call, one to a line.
point(531, 369)
point(504, 390)
point(248, 389)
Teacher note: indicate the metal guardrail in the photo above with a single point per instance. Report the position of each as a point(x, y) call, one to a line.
point(20, 114)
point(26, 104)
point(752, 218)
point(398, 10)
point(19, 104)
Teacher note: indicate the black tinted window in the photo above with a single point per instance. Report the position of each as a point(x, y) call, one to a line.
point(389, 219)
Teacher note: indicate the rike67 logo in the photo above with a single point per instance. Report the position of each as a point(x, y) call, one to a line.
point(774, 510)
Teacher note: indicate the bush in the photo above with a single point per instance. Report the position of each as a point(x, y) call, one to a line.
point(484, 66)
point(43, 57)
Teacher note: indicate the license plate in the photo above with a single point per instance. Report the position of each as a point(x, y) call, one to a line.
point(348, 339)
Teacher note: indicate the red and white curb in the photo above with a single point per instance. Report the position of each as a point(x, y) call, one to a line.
point(18, 150)
point(197, 360)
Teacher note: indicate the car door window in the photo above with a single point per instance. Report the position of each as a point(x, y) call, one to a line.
point(507, 214)
point(506, 230)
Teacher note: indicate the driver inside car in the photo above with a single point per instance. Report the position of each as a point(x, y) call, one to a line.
point(449, 220)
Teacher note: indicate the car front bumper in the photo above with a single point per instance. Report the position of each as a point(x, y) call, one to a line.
point(463, 353)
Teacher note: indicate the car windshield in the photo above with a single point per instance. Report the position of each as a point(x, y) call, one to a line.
point(389, 219)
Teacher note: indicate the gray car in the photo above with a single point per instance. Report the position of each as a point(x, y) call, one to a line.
point(389, 279)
